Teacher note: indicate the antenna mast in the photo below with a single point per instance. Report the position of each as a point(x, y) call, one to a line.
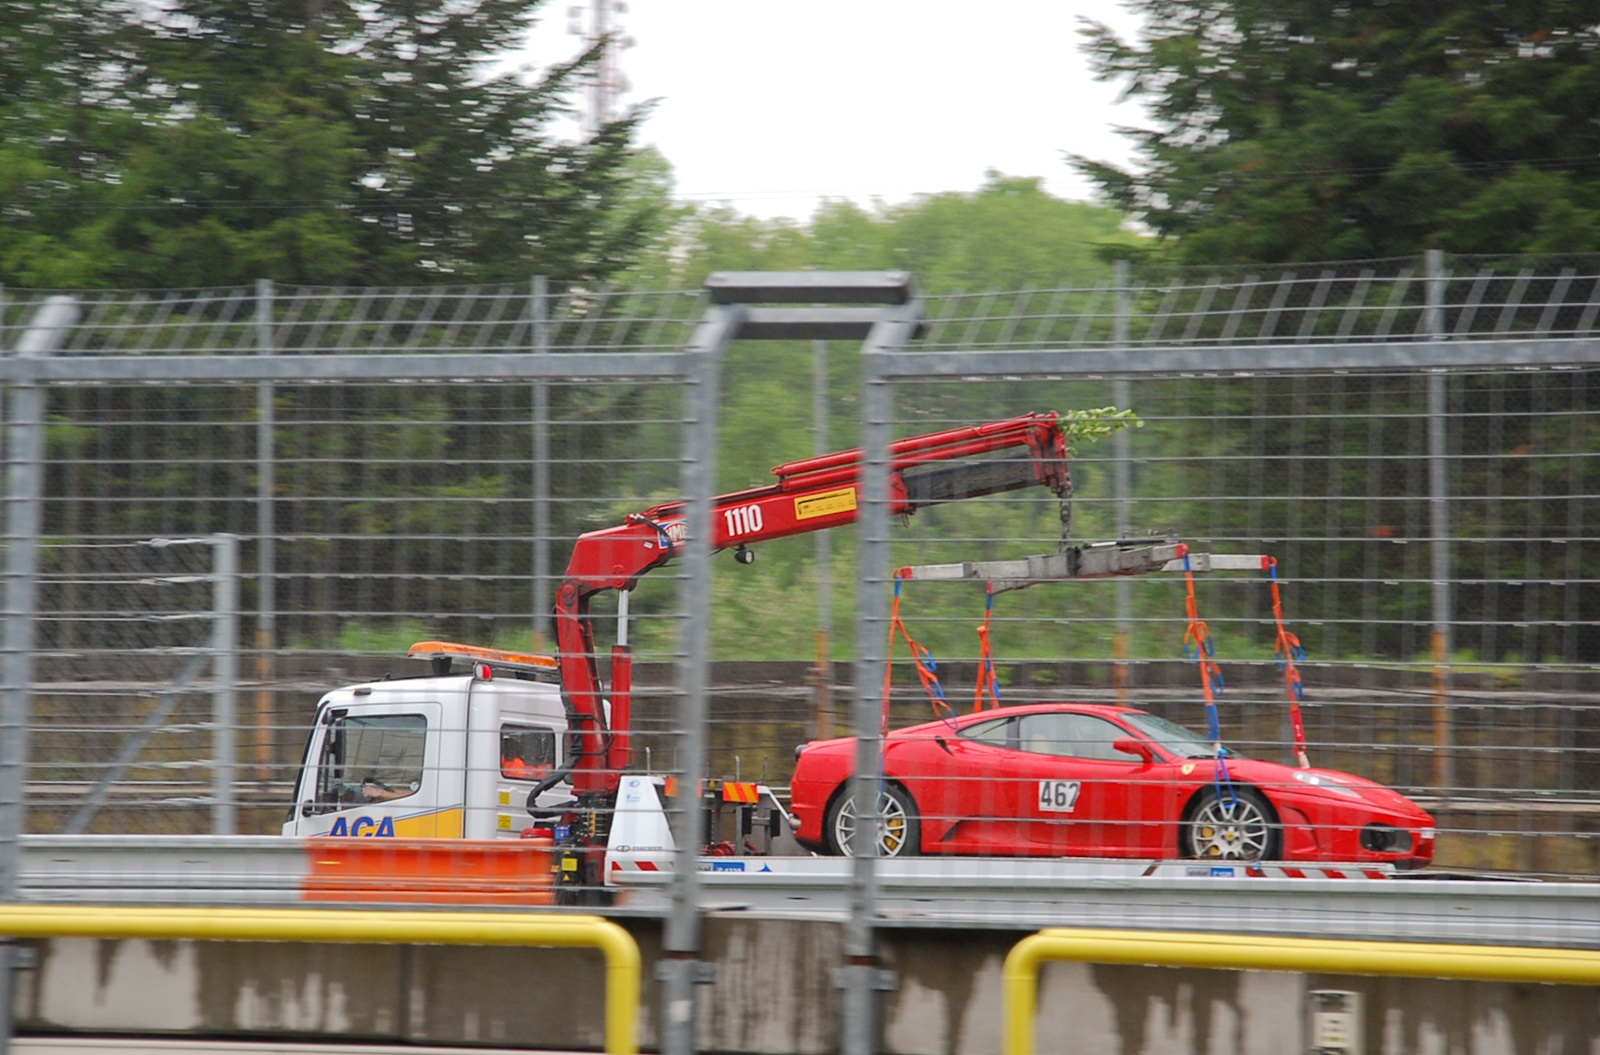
point(606, 83)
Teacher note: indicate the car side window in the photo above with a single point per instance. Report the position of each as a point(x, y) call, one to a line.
point(526, 752)
point(1071, 735)
point(372, 758)
point(1001, 732)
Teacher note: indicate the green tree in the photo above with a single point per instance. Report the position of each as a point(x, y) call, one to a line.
point(65, 116)
point(205, 142)
point(1285, 130)
point(1008, 234)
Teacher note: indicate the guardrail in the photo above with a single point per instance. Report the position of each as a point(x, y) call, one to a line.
point(1012, 893)
point(1020, 977)
point(1030, 894)
point(349, 925)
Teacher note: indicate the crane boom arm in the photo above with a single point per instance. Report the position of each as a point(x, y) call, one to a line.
point(812, 494)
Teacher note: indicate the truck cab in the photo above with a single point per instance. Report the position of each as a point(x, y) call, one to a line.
point(451, 754)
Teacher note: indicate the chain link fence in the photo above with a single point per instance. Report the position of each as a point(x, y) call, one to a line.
point(1414, 441)
point(134, 658)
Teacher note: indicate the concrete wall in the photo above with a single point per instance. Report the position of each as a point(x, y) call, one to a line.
point(773, 993)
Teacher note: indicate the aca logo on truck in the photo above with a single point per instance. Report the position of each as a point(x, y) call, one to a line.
point(364, 826)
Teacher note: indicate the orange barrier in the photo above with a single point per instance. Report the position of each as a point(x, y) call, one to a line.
point(430, 871)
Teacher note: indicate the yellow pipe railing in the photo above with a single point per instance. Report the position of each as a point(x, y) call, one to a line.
point(1489, 963)
point(386, 927)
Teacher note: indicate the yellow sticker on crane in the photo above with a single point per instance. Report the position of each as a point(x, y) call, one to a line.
point(825, 503)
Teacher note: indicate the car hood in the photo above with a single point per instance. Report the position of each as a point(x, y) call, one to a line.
point(1325, 782)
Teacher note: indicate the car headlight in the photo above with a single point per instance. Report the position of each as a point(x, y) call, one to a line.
point(1321, 783)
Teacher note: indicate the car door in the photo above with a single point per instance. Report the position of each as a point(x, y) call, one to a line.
point(951, 775)
point(1079, 795)
point(374, 770)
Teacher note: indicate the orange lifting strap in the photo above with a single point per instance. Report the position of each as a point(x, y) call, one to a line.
point(921, 658)
point(988, 687)
point(1199, 649)
point(985, 694)
point(1287, 649)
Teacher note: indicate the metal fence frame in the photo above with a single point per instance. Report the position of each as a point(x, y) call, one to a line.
point(1212, 345)
point(32, 368)
point(1435, 354)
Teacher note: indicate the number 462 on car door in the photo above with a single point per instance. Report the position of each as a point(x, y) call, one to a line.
point(1058, 796)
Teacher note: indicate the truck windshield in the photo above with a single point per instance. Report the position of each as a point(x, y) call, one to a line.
point(372, 759)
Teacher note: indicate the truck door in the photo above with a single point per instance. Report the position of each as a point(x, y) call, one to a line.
point(375, 770)
point(528, 754)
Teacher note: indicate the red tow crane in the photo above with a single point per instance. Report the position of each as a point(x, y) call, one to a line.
point(812, 494)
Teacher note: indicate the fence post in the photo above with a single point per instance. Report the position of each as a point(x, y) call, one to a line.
point(266, 538)
point(1121, 480)
point(1439, 531)
point(539, 313)
point(861, 979)
point(24, 489)
point(822, 723)
point(681, 970)
point(225, 675)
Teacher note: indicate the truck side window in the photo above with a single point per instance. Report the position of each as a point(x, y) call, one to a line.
point(372, 759)
point(526, 753)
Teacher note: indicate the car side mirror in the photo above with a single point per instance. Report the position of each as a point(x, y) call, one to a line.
point(1131, 746)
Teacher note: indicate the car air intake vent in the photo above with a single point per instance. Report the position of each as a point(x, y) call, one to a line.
point(1380, 838)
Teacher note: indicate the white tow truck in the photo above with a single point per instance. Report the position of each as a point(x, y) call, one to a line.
point(451, 754)
point(474, 750)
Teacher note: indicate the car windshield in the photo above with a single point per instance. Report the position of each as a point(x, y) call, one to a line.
point(1176, 739)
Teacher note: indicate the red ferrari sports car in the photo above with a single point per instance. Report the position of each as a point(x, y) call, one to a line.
point(1094, 780)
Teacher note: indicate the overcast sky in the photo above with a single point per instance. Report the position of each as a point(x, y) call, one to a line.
point(771, 106)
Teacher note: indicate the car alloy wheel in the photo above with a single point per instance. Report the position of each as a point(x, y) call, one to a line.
point(1231, 825)
point(897, 831)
